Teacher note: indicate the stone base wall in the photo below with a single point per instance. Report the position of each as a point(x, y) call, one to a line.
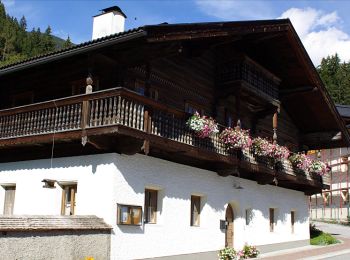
point(47, 245)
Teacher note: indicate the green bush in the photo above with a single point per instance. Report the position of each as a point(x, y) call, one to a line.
point(227, 253)
point(323, 239)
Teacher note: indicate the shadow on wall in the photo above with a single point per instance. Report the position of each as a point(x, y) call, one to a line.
point(59, 163)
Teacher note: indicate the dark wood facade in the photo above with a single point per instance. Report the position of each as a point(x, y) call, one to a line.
point(147, 80)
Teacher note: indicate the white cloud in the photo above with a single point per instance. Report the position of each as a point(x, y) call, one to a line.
point(320, 33)
point(8, 3)
point(234, 9)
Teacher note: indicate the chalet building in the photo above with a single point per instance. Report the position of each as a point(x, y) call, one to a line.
point(333, 203)
point(97, 159)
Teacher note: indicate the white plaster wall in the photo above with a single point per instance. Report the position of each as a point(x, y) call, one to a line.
point(107, 24)
point(93, 175)
point(178, 182)
point(105, 180)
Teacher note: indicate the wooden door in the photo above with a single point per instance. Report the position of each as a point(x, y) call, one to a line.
point(229, 229)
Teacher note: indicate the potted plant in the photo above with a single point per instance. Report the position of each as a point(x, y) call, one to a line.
point(203, 126)
point(227, 253)
point(318, 167)
point(263, 150)
point(236, 138)
point(300, 162)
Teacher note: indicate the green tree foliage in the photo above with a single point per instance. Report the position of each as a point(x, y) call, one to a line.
point(336, 76)
point(16, 43)
point(67, 43)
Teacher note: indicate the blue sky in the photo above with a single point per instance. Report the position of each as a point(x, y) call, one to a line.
point(324, 26)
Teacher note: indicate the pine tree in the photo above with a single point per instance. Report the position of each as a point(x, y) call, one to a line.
point(67, 43)
point(16, 43)
point(336, 77)
point(47, 42)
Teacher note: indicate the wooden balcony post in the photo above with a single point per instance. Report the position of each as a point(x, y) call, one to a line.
point(274, 126)
point(147, 128)
point(85, 111)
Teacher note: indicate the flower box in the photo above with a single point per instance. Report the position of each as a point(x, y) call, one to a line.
point(203, 126)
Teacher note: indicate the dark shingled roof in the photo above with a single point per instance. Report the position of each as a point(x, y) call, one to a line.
point(113, 8)
point(44, 222)
point(97, 43)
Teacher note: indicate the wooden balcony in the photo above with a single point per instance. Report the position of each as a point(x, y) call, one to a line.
point(119, 120)
point(260, 85)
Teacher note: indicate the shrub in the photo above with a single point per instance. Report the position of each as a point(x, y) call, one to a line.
point(227, 253)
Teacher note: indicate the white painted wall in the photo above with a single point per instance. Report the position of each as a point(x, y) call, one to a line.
point(107, 24)
point(108, 179)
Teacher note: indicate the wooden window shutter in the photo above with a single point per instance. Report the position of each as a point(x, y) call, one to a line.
point(195, 210)
point(272, 219)
point(9, 200)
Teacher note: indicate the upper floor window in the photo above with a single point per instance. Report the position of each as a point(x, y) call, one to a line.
point(192, 108)
point(9, 200)
point(68, 199)
point(140, 87)
point(151, 198)
point(153, 93)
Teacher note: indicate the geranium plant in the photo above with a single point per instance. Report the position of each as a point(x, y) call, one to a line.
point(300, 161)
point(227, 253)
point(319, 167)
point(280, 152)
point(236, 138)
point(262, 147)
point(203, 126)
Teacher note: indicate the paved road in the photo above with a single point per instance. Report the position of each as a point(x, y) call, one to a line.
point(334, 229)
point(334, 252)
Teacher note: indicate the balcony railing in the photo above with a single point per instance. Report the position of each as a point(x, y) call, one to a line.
point(103, 109)
point(256, 77)
point(100, 109)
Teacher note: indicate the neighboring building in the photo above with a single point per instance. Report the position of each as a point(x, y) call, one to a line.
point(124, 154)
point(333, 203)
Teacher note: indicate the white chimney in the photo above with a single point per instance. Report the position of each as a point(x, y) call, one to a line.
point(110, 21)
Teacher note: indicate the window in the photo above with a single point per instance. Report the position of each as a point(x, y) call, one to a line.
point(139, 87)
point(153, 93)
point(272, 219)
point(248, 216)
point(195, 210)
point(68, 199)
point(151, 197)
point(129, 215)
point(292, 220)
point(9, 199)
point(229, 118)
point(192, 108)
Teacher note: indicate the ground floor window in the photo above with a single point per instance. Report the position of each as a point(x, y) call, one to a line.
point(68, 199)
point(272, 219)
point(292, 220)
point(151, 198)
point(195, 210)
point(9, 201)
